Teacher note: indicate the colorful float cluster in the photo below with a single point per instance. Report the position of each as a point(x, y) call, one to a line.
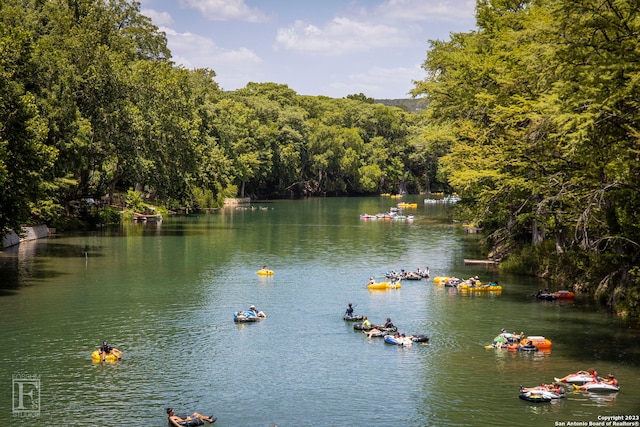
point(520, 342)
point(472, 284)
point(581, 381)
point(387, 331)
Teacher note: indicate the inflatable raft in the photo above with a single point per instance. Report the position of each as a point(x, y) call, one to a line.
point(564, 295)
point(535, 397)
point(376, 333)
point(578, 379)
point(403, 205)
point(540, 342)
point(597, 386)
point(112, 357)
point(353, 318)
point(390, 339)
point(420, 338)
point(526, 347)
point(264, 272)
point(478, 287)
point(384, 285)
point(541, 393)
point(247, 316)
point(362, 327)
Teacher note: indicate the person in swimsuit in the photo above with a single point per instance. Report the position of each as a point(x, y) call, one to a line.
point(188, 420)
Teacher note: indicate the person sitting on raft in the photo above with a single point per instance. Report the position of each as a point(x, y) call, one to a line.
point(253, 311)
point(591, 372)
point(388, 324)
point(365, 322)
point(194, 419)
point(512, 337)
point(402, 339)
point(105, 348)
point(610, 380)
point(371, 332)
point(371, 281)
point(349, 311)
point(500, 341)
point(553, 388)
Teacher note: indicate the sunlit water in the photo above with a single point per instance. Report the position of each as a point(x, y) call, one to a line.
point(164, 294)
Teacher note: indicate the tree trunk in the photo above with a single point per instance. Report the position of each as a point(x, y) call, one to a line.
point(537, 234)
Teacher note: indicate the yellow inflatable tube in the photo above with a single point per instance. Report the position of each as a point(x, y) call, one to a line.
point(265, 272)
point(441, 280)
point(481, 288)
point(114, 356)
point(384, 285)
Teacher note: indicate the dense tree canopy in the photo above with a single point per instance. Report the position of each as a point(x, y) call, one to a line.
point(92, 106)
point(543, 104)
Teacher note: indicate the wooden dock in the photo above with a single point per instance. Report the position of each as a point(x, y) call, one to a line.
point(147, 217)
point(479, 262)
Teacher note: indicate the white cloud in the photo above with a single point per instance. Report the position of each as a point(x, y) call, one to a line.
point(194, 51)
point(394, 23)
point(158, 18)
point(428, 10)
point(339, 36)
point(226, 10)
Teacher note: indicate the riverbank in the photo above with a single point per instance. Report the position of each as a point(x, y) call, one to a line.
point(27, 233)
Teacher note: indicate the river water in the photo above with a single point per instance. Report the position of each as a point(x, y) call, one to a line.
point(164, 294)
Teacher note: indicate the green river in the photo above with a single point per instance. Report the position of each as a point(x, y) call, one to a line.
point(165, 294)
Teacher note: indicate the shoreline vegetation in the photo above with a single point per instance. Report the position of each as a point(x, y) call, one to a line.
point(538, 138)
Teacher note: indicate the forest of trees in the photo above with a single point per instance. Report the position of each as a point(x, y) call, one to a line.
point(532, 118)
point(540, 111)
point(92, 106)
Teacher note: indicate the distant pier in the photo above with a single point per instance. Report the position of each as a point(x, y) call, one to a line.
point(479, 262)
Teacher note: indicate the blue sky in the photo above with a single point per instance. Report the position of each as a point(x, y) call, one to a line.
point(316, 47)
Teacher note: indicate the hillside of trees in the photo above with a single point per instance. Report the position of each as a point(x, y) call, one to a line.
point(532, 119)
point(411, 105)
point(94, 107)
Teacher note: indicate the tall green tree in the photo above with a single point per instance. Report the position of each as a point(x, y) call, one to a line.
point(546, 135)
point(26, 161)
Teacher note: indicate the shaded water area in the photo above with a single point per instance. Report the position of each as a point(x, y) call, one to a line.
point(165, 294)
